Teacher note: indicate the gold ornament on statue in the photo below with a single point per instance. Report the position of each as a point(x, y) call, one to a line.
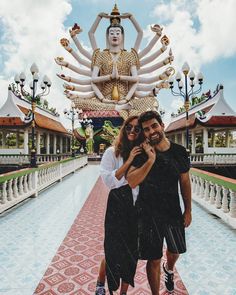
point(115, 93)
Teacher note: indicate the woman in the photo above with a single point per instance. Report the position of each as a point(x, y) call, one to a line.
point(115, 162)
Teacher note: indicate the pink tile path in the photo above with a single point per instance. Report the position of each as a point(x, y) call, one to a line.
point(74, 268)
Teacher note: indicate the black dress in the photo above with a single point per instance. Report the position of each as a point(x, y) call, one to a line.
point(120, 243)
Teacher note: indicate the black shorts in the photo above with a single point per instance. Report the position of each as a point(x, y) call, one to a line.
point(151, 235)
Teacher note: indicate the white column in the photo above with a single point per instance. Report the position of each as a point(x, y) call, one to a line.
point(193, 150)
point(183, 139)
point(176, 137)
point(38, 142)
point(54, 144)
point(26, 141)
point(47, 143)
point(205, 141)
point(17, 139)
point(3, 139)
point(61, 144)
point(227, 138)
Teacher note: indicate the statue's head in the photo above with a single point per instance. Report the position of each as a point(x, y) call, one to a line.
point(115, 32)
point(115, 35)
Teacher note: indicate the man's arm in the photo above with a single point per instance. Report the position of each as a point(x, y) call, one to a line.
point(185, 187)
point(137, 175)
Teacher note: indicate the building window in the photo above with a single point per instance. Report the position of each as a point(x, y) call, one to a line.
point(220, 139)
point(11, 140)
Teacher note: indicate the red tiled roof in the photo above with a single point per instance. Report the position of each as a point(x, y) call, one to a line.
point(11, 121)
point(181, 123)
point(45, 122)
point(101, 114)
point(222, 121)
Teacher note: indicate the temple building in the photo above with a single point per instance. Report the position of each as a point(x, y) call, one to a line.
point(212, 125)
point(15, 127)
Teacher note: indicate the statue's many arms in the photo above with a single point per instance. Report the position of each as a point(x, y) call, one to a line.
point(114, 78)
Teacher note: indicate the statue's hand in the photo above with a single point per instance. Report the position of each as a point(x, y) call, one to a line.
point(125, 15)
point(157, 29)
point(115, 74)
point(103, 14)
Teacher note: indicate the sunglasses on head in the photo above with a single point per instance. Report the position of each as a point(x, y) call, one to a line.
point(130, 127)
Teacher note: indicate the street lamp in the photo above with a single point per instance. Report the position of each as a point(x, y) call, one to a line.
point(45, 87)
point(72, 114)
point(185, 93)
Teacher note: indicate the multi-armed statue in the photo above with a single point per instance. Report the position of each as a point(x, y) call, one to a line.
point(114, 78)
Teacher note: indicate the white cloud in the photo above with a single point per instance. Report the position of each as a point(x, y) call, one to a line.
point(200, 31)
point(32, 31)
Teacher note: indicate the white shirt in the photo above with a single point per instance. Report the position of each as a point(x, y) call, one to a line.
point(108, 167)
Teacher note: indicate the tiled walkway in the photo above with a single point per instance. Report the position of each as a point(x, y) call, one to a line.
point(74, 268)
point(31, 234)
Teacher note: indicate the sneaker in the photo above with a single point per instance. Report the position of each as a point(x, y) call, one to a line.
point(169, 279)
point(100, 291)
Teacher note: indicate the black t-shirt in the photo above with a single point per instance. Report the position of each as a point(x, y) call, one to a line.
point(158, 193)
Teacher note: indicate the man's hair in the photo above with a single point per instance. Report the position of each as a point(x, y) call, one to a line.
point(149, 115)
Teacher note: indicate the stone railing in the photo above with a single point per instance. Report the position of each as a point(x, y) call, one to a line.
point(24, 159)
point(215, 193)
point(18, 186)
point(213, 159)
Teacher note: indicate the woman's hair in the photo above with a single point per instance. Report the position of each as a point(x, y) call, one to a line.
point(122, 144)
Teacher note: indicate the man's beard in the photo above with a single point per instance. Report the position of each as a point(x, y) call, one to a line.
point(158, 139)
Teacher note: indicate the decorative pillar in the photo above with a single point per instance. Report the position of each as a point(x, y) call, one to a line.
point(47, 143)
point(205, 141)
point(26, 141)
point(38, 142)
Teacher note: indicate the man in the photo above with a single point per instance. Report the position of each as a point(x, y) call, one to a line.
point(158, 171)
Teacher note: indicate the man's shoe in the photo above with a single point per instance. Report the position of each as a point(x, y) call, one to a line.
point(100, 291)
point(169, 280)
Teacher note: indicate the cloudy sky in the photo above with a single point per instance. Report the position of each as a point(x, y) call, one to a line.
point(201, 33)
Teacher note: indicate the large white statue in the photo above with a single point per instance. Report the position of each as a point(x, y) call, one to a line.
point(114, 78)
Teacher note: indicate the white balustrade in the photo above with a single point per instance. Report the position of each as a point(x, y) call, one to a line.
point(216, 198)
point(15, 189)
point(213, 159)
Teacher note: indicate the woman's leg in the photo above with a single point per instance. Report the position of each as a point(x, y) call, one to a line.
point(100, 287)
point(102, 272)
point(124, 288)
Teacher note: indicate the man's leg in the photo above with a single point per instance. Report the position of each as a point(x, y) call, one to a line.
point(171, 260)
point(153, 274)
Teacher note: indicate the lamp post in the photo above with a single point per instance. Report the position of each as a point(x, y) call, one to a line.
point(72, 114)
point(45, 87)
point(185, 93)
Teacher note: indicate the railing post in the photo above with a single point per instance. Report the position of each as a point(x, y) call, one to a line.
point(212, 193)
point(35, 183)
point(218, 196)
point(232, 204)
point(60, 172)
point(225, 202)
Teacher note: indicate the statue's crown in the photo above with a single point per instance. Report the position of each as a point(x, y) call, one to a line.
point(115, 20)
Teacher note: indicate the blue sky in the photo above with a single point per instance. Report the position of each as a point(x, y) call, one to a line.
point(201, 32)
